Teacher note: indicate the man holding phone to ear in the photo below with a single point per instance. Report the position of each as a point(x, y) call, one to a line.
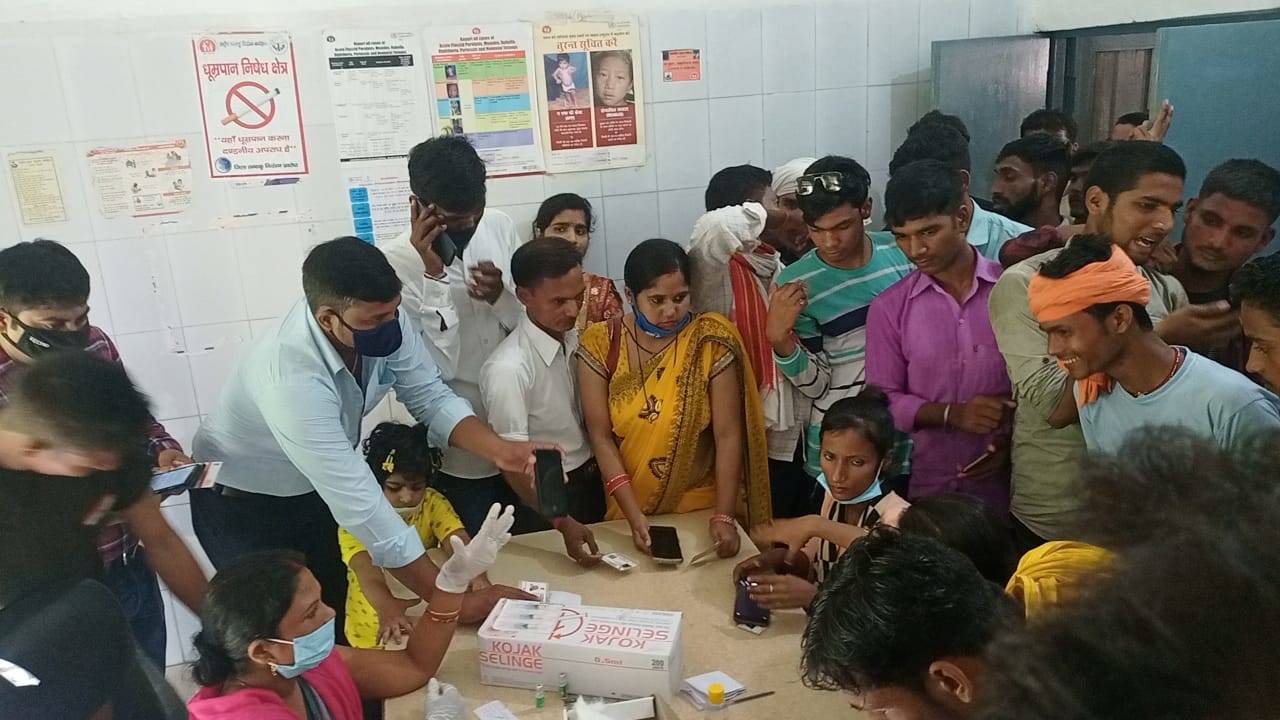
point(454, 264)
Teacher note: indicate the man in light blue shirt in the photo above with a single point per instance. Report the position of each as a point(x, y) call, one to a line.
point(287, 429)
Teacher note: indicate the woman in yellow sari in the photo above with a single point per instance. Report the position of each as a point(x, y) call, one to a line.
point(671, 406)
point(569, 216)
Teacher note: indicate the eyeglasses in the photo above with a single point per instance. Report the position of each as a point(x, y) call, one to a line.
point(832, 182)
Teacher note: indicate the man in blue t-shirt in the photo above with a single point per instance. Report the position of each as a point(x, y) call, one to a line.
point(1091, 302)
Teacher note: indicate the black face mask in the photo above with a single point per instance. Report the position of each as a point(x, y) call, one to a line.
point(39, 341)
point(462, 238)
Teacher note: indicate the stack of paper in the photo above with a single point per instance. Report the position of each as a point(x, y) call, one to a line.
point(698, 686)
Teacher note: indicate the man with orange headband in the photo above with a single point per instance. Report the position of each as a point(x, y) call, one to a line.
point(1091, 302)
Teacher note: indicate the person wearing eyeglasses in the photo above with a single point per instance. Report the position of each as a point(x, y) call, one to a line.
point(818, 313)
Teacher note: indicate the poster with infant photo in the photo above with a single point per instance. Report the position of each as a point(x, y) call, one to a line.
point(593, 94)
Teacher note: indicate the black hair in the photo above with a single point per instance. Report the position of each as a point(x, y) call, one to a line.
point(1120, 166)
point(932, 142)
point(937, 117)
point(1132, 118)
point(246, 601)
point(1248, 181)
point(1049, 121)
point(893, 604)
point(78, 400)
point(1258, 283)
point(1090, 152)
point(965, 523)
point(1044, 153)
point(1085, 250)
point(341, 271)
point(922, 189)
point(446, 171)
point(404, 449)
point(543, 258)
point(556, 204)
point(856, 184)
point(562, 56)
point(41, 273)
point(736, 185)
point(1183, 627)
point(652, 259)
point(868, 413)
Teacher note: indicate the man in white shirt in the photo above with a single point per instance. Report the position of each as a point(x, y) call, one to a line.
point(288, 424)
point(530, 389)
point(455, 265)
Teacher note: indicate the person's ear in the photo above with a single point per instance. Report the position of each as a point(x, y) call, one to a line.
point(949, 685)
point(631, 298)
point(866, 208)
point(964, 218)
point(965, 177)
point(266, 653)
point(1267, 236)
point(1096, 200)
point(1190, 207)
point(1121, 318)
point(524, 295)
point(1048, 182)
point(328, 320)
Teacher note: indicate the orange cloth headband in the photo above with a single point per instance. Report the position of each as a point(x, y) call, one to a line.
point(1115, 280)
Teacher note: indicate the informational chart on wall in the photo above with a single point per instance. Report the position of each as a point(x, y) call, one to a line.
point(248, 84)
point(375, 87)
point(591, 93)
point(142, 180)
point(35, 184)
point(481, 86)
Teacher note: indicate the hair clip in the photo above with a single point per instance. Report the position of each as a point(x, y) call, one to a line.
point(389, 464)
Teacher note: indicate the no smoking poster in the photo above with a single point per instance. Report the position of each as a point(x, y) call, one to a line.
point(248, 85)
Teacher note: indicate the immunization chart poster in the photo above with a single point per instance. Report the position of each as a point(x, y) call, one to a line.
point(591, 93)
point(248, 84)
point(142, 180)
point(482, 77)
point(375, 88)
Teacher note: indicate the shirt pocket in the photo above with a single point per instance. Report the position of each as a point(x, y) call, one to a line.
point(380, 383)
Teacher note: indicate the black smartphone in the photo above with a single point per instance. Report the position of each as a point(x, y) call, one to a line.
point(548, 471)
point(181, 479)
point(747, 611)
point(445, 248)
point(664, 545)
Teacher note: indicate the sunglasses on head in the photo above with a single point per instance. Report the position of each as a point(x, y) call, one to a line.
point(832, 182)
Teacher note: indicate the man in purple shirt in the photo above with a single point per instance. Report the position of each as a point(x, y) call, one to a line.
point(930, 346)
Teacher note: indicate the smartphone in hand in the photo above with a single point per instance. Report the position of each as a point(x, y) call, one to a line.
point(664, 545)
point(548, 471)
point(747, 611)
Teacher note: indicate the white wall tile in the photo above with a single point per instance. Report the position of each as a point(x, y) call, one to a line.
point(734, 61)
point(99, 306)
point(163, 375)
point(138, 284)
point(737, 131)
point(788, 127)
point(270, 259)
point(320, 194)
point(313, 77)
point(893, 36)
point(522, 215)
point(587, 184)
point(788, 48)
point(891, 109)
point(78, 227)
point(33, 80)
point(167, 89)
point(206, 278)
point(678, 210)
point(183, 430)
point(993, 18)
point(683, 140)
point(173, 636)
point(188, 623)
point(259, 203)
point(628, 220)
point(841, 44)
point(842, 122)
point(639, 179)
point(258, 327)
point(940, 20)
point(597, 259)
point(517, 190)
point(879, 178)
point(315, 233)
point(684, 30)
point(102, 100)
point(213, 352)
point(8, 213)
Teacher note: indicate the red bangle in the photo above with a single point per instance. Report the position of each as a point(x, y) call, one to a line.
point(614, 483)
point(722, 518)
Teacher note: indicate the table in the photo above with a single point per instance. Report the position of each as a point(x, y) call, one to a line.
point(704, 594)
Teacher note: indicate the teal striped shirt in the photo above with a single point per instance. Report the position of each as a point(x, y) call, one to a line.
point(829, 362)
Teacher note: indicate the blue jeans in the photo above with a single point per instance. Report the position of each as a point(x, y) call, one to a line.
point(135, 585)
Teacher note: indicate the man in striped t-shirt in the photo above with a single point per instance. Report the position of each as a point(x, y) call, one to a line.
point(818, 314)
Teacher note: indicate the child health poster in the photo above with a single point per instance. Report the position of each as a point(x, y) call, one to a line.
point(481, 87)
point(592, 94)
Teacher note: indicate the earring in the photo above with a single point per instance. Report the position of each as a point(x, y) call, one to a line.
point(274, 672)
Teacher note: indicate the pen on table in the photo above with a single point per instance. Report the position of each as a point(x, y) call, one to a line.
point(757, 696)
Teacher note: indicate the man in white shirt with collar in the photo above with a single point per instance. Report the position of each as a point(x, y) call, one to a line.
point(530, 389)
point(455, 265)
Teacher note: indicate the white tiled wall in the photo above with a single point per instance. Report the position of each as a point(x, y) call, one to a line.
point(779, 81)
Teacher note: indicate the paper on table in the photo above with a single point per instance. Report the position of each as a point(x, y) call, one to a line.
point(495, 711)
point(698, 686)
point(568, 599)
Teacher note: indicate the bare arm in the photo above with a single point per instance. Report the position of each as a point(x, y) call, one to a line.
point(381, 674)
point(372, 582)
point(594, 392)
point(728, 428)
point(166, 553)
point(1065, 412)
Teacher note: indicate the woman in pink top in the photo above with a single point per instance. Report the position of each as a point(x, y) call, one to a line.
point(267, 651)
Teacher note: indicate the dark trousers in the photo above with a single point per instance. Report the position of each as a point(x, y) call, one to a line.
point(135, 585)
point(472, 497)
point(793, 492)
point(1024, 538)
point(230, 523)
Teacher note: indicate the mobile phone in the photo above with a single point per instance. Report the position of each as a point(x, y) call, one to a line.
point(548, 472)
point(664, 545)
point(187, 477)
point(747, 611)
point(445, 248)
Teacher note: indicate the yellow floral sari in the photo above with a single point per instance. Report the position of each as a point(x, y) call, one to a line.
point(661, 418)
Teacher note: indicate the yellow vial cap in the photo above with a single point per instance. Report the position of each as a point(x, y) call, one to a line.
point(715, 694)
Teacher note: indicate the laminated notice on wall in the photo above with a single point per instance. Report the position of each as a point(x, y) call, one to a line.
point(35, 182)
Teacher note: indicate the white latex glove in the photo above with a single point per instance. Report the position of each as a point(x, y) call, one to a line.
point(471, 560)
point(444, 702)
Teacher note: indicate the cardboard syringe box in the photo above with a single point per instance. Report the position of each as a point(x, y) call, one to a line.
point(607, 652)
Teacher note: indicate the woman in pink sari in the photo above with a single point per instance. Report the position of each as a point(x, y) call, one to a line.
point(568, 216)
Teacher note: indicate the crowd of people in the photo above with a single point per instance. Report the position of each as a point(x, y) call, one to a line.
point(981, 447)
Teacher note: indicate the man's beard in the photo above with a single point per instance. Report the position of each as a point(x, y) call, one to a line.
point(1022, 209)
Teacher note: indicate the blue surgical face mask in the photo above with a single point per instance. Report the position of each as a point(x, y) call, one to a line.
point(649, 328)
point(376, 342)
point(308, 650)
point(872, 491)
